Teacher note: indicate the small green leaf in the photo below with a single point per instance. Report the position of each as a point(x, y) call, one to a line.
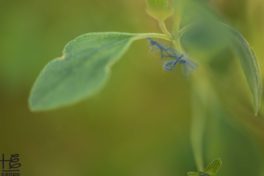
point(210, 170)
point(213, 167)
point(82, 70)
point(197, 174)
point(159, 9)
point(193, 174)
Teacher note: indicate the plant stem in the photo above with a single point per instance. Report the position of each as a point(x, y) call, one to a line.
point(198, 105)
point(153, 35)
point(200, 102)
point(163, 28)
point(175, 42)
point(197, 130)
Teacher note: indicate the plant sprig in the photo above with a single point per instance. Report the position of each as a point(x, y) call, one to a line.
point(85, 65)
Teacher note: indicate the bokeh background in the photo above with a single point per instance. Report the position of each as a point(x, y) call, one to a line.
point(139, 124)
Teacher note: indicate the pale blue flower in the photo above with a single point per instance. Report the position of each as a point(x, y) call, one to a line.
point(175, 58)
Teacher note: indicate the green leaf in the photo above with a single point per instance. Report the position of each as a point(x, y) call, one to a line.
point(249, 64)
point(82, 70)
point(213, 167)
point(210, 170)
point(213, 40)
point(197, 174)
point(206, 37)
point(159, 9)
point(193, 174)
point(204, 40)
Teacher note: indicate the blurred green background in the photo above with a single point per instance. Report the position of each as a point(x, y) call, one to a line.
point(139, 124)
